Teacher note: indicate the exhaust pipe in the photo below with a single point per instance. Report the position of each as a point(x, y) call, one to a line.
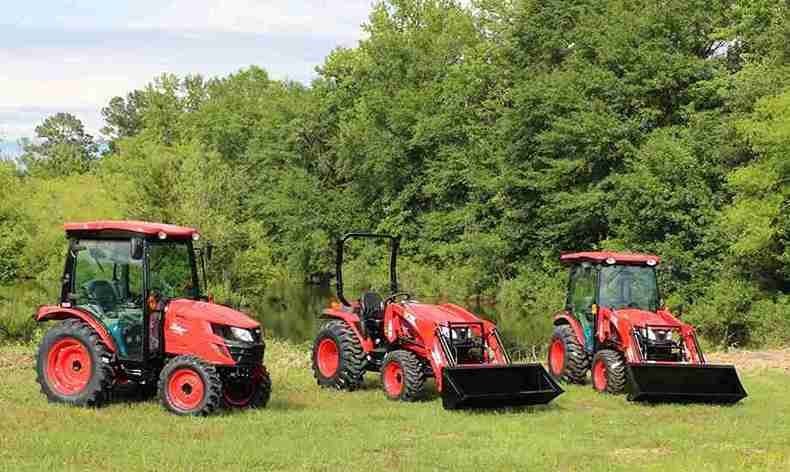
point(684, 383)
point(497, 386)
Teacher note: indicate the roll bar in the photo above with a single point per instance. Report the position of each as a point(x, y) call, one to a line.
point(394, 246)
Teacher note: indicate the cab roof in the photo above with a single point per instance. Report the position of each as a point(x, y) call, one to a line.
point(136, 227)
point(604, 257)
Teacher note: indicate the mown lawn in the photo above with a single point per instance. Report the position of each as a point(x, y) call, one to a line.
point(305, 428)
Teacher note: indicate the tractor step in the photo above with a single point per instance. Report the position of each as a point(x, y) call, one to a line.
point(684, 383)
point(497, 386)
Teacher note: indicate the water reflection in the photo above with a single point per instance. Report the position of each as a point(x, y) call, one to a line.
point(291, 312)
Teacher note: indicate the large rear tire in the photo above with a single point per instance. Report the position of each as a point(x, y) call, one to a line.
point(338, 357)
point(608, 372)
point(567, 360)
point(188, 386)
point(73, 365)
point(402, 376)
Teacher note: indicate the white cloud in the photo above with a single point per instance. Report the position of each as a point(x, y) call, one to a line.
point(78, 59)
point(339, 19)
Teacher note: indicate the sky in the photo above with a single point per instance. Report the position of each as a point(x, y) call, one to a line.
point(74, 55)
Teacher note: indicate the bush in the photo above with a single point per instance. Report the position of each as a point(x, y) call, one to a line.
point(724, 313)
point(526, 307)
point(17, 306)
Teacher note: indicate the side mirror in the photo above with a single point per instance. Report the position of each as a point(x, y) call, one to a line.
point(209, 250)
point(136, 250)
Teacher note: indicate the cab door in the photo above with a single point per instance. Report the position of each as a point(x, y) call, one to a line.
point(108, 284)
point(581, 297)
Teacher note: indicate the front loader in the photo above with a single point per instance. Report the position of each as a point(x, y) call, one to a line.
point(407, 341)
point(615, 327)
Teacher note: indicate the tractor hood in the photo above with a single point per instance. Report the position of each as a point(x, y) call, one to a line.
point(210, 312)
point(641, 318)
point(440, 314)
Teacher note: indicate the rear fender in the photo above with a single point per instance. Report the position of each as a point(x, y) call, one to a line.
point(352, 320)
point(55, 312)
point(565, 318)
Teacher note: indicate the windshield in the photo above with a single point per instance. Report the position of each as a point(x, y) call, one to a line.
point(170, 270)
point(628, 287)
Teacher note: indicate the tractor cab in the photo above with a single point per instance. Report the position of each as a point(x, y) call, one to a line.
point(610, 281)
point(121, 276)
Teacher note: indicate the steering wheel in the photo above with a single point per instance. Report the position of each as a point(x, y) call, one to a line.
point(395, 296)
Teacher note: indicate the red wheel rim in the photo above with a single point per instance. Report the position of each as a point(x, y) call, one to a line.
point(185, 389)
point(393, 379)
point(69, 366)
point(599, 376)
point(557, 357)
point(328, 358)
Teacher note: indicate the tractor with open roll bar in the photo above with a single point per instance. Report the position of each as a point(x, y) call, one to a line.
point(407, 341)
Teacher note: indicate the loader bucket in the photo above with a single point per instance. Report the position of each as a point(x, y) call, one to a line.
point(683, 383)
point(496, 386)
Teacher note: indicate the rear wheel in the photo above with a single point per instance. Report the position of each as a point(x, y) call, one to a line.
point(402, 376)
point(73, 365)
point(248, 393)
point(338, 358)
point(567, 359)
point(608, 372)
point(190, 386)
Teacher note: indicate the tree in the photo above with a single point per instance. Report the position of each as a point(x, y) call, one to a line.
point(62, 147)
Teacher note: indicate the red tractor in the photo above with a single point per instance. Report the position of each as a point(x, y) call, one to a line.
point(131, 314)
point(407, 342)
point(614, 325)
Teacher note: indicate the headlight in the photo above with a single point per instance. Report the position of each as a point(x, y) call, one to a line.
point(659, 334)
point(241, 334)
point(444, 331)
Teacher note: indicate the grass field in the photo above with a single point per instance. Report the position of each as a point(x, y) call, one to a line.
point(305, 428)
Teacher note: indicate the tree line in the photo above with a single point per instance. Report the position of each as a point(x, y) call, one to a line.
point(491, 136)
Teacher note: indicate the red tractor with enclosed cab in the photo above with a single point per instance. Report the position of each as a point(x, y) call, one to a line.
point(407, 341)
point(131, 313)
point(615, 326)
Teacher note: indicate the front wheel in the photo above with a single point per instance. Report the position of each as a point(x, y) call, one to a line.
point(248, 393)
point(402, 376)
point(608, 372)
point(73, 365)
point(190, 386)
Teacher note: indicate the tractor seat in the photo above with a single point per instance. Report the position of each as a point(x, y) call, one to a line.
point(104, 293)
point(370, 306)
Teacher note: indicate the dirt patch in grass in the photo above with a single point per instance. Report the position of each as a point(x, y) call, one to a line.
point(752, 360)
point(10, 360)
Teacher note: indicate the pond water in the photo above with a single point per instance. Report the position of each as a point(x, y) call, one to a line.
point(290, 311)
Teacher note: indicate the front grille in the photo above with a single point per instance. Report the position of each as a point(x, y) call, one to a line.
point(248, 355)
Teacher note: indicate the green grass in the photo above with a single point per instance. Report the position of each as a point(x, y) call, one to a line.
point(305, 428)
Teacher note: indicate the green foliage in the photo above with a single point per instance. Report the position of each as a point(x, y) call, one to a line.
point(62, 148)
point(490, 137)
point(528, 303)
